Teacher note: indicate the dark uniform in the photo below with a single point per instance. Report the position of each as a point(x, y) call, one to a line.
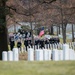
point(12, 43)
point(41, 43)
point(26, 43)
point(19, 44)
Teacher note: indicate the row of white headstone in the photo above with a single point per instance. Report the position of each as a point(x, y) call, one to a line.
point(46, 54)
point(41, 54)
point(10, 55)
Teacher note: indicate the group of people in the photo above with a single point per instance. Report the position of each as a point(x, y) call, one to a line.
point(42, 42)
point(28, 42)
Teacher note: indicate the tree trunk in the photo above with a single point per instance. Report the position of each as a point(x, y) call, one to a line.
point(32, 33)
point(72, 34)
point(14, 28)
point(64, 33)
point(3, 42)
point(52, 32)
point(32, 37)
point(57, 31)
point(3, 29)
point(49, 30)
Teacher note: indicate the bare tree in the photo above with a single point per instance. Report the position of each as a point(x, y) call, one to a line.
point(26, 8)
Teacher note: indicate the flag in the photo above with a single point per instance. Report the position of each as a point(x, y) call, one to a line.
point(41, 32)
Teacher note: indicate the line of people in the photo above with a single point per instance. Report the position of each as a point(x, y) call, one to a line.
point(27, 42)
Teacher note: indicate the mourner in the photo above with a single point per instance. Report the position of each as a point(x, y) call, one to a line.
point(19, 44)
point(12, 42)
point(26, 43)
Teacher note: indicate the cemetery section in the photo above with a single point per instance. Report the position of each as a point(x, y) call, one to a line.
point(53, 52)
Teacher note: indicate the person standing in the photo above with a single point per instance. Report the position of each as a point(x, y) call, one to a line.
point(19, 44)
point(12, 42)
point(26, 43)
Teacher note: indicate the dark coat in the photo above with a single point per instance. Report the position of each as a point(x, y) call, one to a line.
point(12, 42)
point(26, 42)
point(19, 44)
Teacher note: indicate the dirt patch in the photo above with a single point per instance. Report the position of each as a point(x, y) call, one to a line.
point(23, 56)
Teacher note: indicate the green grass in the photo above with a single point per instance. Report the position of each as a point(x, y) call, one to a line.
point(37, 68)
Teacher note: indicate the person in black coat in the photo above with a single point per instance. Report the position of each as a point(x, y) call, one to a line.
point(12, 42)
point(36, 43)
point(19, 44)
point(41, 43)
point(51, 40)
point(26, 43)
point(30, 43)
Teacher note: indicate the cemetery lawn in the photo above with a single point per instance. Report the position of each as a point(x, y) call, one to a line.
point(37, 68)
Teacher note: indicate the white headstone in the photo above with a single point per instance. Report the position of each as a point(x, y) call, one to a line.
point(15, 54)
point(39, 55)
point(60, 54)
point(49, 54)
point(55, 55)
point(65, 52)
point(10, 56)
point(4, 56)
point(71, 54)
point(30, 54)
point(45, 54)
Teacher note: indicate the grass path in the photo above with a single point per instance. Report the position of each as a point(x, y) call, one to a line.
point(37, 68)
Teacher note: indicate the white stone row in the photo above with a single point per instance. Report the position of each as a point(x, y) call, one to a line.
point(42, 54)
point(39, 55)
point(10, 55)
point(57, 55)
